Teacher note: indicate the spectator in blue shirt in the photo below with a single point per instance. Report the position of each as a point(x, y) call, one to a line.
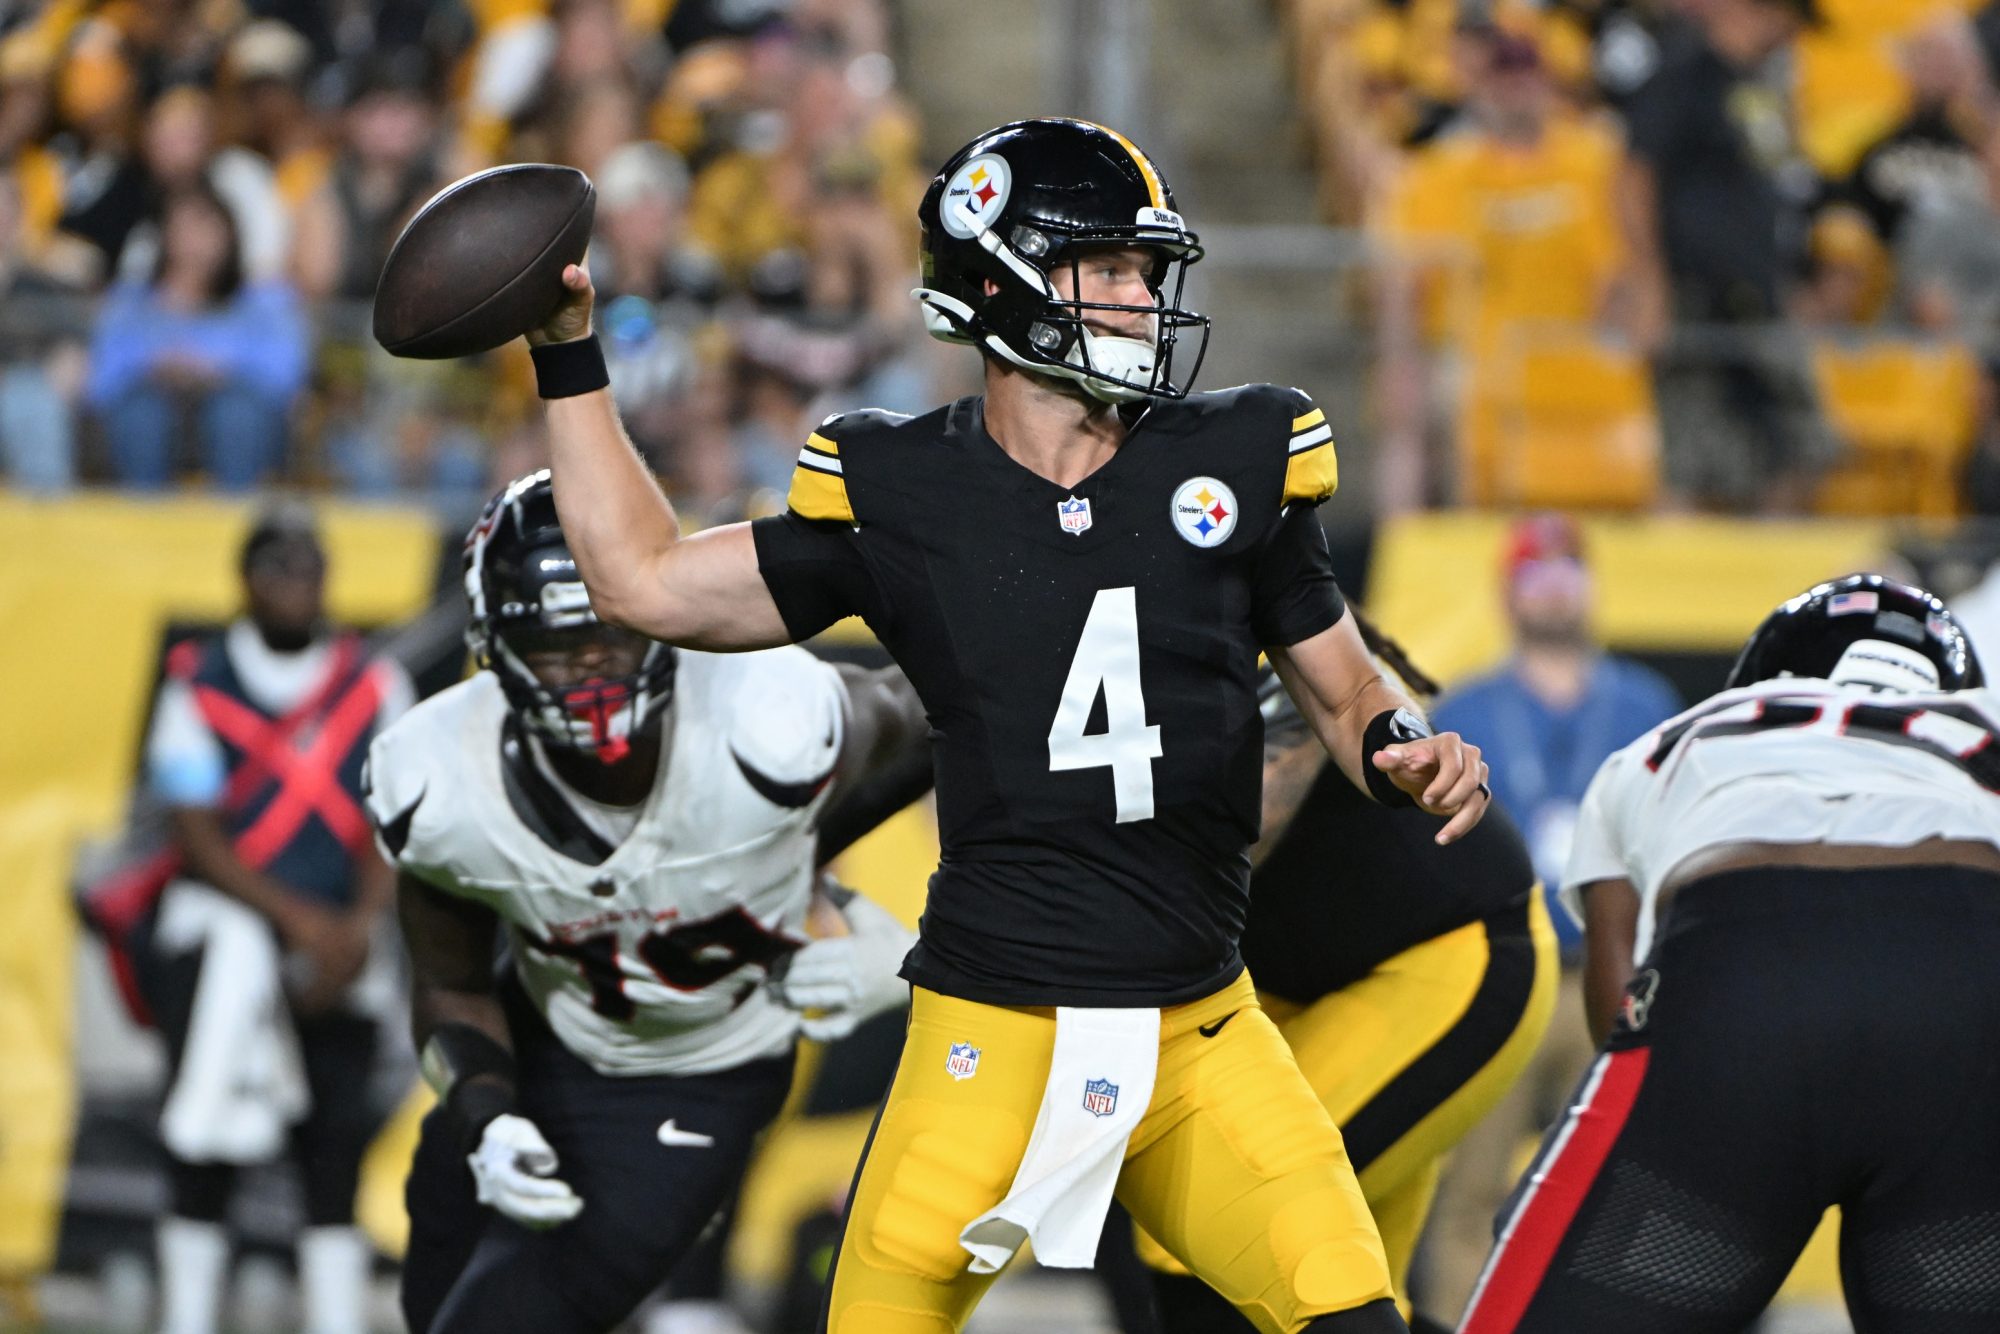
point(197, 347)
point(1547, 718)
point(1560, 705)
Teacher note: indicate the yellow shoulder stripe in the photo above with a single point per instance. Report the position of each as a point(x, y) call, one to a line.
point(819, 495)
point(1311, 419)
point(1312, 475)
point(819, 484)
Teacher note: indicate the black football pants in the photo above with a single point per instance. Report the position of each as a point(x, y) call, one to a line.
point(1799, 1039)
point(470, 1270)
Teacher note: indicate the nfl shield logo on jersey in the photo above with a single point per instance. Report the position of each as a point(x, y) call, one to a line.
point(962, 1061)
point(1100, 1097)
point(1074, 513)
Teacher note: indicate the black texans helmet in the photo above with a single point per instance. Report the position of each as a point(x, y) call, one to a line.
point(1862, 630)
point(1020, 201)
point(526, 595)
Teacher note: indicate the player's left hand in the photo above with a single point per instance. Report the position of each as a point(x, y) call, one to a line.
point(838, 983)
point(514, 1170)
point(1445, 775)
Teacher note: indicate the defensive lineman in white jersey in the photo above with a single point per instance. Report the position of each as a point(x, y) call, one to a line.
point(1807, 867)
point(645, 825)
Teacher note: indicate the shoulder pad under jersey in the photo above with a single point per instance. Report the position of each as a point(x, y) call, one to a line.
point(819, 481)
point(1269, 417)
point(422, 751)
point(1312, 471)
point(786, 713)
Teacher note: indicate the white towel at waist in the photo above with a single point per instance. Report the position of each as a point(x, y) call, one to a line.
point(240, 1085)
point(1100, 1084)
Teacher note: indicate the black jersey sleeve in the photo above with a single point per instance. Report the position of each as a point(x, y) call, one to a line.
point(811, 555)
point(1295, 596)
point(814, 569)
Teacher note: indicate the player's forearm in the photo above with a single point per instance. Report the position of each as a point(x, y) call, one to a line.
point(872, 797)
point(451, 941)
point(374, 886)
point(1342, 726)
point(433, 1007)
point(885, 762)
point(1611, 930)
point(210, 858)
point(1338, 689)
point(615, 518)
point(1288, 776)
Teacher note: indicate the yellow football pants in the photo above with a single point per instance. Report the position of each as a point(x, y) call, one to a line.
point(1409, 1058)
point(1236, 1168)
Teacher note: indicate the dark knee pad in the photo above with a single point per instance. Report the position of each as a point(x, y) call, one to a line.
point(1375, 1318)
point(201, 1191)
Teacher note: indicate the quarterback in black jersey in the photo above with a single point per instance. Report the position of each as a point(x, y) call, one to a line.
point(1076, 570)
point(1412, 982)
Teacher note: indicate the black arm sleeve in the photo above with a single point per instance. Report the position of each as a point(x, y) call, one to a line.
point(815, 572)
point(1296, 596)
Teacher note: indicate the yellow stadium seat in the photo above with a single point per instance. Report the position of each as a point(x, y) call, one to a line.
point(1907, 414)
point(1849, 94)
point(1559, 423)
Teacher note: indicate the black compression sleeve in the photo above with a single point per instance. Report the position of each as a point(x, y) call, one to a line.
point(473, 1076)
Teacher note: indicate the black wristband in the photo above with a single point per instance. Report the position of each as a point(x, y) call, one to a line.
point(473, 1076)
point(1388, 728)
point(473, 1105)
point(564, 370)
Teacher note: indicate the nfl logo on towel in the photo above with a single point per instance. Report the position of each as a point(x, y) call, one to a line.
point(962, 1061)
point(1074, 513)
point(1100, 1097)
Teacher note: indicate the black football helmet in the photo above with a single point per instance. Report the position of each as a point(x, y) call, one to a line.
point(526, 595)
point(1020, 200)
point(1866, 630)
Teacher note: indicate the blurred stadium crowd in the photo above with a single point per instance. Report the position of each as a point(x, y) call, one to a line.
point(201, 195)
point(1739, 255)
point(1781, 209)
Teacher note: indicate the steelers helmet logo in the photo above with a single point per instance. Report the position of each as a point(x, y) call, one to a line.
point(1204, 511)
point(975, 194)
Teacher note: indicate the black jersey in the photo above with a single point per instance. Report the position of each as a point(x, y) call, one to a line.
point(1352, 883)
point(1088, 659)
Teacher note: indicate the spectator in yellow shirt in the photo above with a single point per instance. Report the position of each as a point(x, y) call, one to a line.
point(1505, 228)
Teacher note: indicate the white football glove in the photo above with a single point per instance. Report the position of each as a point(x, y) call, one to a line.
point(515, 1171)
point(845, 980)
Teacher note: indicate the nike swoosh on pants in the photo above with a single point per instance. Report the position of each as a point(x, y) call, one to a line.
point(1210, 1030)
point(672, 1134)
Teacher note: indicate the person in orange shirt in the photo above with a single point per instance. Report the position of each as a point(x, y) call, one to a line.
point(1505, 227)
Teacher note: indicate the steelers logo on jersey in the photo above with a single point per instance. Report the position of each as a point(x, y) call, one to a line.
point(1204, 511)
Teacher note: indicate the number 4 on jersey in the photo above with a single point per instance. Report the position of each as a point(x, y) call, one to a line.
point(1107, 659)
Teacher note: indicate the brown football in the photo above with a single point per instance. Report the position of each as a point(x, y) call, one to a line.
point(482, 262)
